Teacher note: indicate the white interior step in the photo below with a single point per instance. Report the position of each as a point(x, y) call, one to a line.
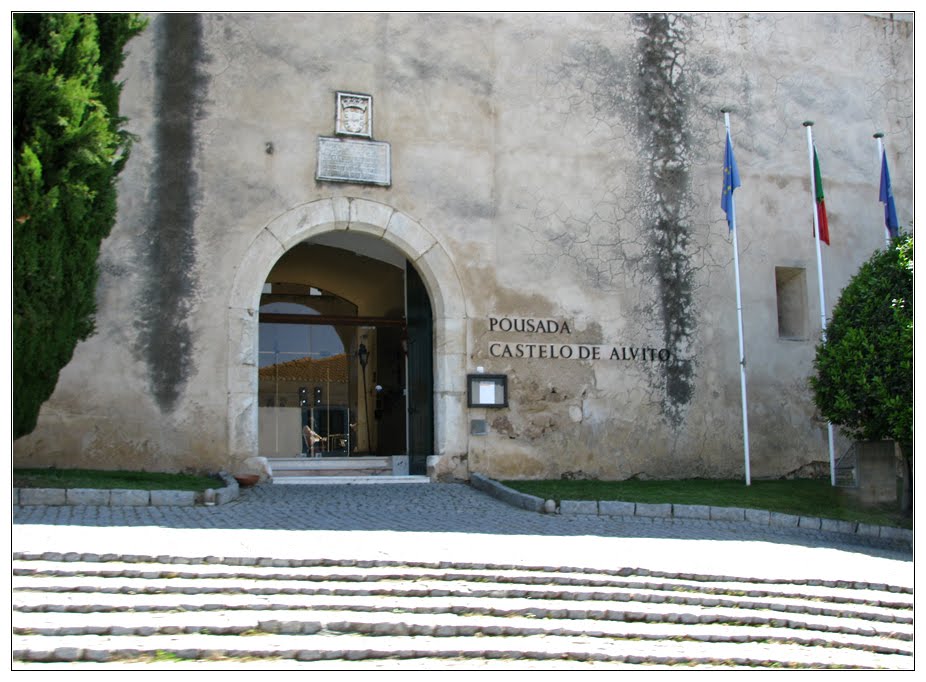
point(349, 480)
point(322, 463)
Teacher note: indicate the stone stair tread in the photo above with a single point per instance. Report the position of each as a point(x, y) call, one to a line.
point(323, 465)
point(422, 663)
point(360, 479)
point(341, 458)
point(417, 587)
point(297, 463)
point(390, 623)
point(49, 559)
point(90, 602)
point(101, 608)
point(90, 647)
point(505, 577)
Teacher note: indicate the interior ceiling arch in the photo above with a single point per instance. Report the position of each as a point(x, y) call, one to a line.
point(363, 245)
point(357, 274)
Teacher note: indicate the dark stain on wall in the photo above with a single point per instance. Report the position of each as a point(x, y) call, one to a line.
point(640, 235)
point(169, 242)
point(662, 104)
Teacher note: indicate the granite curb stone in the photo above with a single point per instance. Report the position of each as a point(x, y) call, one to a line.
point(129, 498)
point(578, 507)
point(694, 512)
point(691, 511)
point(506, 494)
point(728, 514)
point(57, 497)
point(179, 498)
point(809, 522)
point(89, 496)
point(760, 516)
point(616, 508)
point(837, 526)
point(661, 510)
point(786, 520)
point(891, 533)
point(868, 529)
point(43, 496)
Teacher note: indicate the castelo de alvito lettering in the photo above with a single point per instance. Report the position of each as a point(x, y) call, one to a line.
point(381, 211)
point(559, 351)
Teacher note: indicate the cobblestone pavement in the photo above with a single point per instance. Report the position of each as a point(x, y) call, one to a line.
point(452, 522)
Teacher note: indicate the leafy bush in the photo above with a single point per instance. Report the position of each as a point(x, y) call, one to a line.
point(864, 367)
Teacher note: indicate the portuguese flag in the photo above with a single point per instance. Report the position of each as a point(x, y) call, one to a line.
point(821, 205)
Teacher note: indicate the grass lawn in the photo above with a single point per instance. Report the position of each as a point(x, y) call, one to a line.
point(125, 480)
point(804, 497)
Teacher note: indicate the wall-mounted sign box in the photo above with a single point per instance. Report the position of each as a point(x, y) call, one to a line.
point(487, 390)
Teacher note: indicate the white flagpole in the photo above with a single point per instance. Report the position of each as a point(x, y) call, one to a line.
point(878, 136)
point(739, 319)
point(816, 238)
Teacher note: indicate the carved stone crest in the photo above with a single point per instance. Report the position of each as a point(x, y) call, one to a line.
point(354, 115)
point(344, 158)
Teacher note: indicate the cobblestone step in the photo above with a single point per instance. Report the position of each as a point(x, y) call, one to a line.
point(82, 603)
point(123, 608)
point(418, 581)
point(403, 623)
point(830, 591)
point(348, 648)
point(570, 598)
point(126, 565)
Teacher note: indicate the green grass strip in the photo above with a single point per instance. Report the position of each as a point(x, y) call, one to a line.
point(801, 497)
point(127, 480)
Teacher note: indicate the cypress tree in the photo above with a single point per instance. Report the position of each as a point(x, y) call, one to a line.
point(68, 148)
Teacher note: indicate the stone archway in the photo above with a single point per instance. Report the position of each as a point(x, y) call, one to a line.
point(432, 263)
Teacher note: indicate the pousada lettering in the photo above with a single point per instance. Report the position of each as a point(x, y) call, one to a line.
point(528, 325)
point(571, 351)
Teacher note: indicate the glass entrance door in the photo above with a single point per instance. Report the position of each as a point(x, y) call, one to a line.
point(335, 383)
point(306, 401)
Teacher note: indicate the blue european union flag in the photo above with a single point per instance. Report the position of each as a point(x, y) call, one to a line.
point(731, 180)
point(887, 198)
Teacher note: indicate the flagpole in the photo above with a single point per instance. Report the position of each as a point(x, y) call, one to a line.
point(878, 136)
point(739, 320)
point(816, 238)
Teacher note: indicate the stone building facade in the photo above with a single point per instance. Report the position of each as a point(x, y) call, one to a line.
point(455, 201)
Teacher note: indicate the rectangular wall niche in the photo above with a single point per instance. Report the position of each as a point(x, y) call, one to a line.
point(791, 290)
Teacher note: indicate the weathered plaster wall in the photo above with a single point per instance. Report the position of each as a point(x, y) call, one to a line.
point(635, 106)
point(561, 167)
point(127, 398)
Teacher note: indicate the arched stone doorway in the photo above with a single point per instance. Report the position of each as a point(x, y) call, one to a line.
point(342, 219)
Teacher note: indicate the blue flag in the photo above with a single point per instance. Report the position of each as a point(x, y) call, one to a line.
point(731, 180)
point(887, 198)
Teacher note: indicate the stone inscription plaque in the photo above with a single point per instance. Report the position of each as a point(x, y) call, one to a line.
point(360, 161)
